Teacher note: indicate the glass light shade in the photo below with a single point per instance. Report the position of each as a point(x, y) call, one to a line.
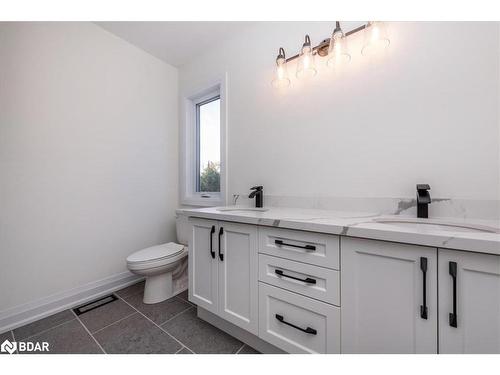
point(376, 38)
point(338, 51)
point(306, 67)
point(281, 79)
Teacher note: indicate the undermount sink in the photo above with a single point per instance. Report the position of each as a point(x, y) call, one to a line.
point(244, 209)
point(438, 225)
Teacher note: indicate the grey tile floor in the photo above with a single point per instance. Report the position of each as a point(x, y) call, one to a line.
point(127, 325)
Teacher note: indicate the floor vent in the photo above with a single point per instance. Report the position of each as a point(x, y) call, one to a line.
point(95, 304)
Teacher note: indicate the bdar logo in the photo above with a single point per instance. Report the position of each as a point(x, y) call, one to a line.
point(8, 347)
point(24, 346)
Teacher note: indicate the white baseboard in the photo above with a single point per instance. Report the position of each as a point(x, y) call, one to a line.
point(32, 311)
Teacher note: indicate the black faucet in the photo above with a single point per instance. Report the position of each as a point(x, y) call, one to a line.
point(423, 200)
point(258, 194)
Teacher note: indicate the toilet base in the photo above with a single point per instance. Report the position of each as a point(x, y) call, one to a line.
point(158, 288)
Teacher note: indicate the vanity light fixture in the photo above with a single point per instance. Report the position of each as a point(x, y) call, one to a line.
point(338, 52)
point(335, 47)
point(375, 38)
point(281, 80)
point(305, 66)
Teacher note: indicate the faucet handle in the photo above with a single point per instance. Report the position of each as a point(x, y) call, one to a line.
point(423, 196)
point(235, 198)
point(257, 188)
point(423, 187)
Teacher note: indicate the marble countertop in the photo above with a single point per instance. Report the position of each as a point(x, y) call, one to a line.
point(366, 225)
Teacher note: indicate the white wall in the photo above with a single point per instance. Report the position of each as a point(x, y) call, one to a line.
point(88, 156)
point(425, 111)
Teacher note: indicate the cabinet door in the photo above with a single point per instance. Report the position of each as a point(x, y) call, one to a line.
point(238, 287)
point(203, 263)
point(382, 291)
point(475, 327)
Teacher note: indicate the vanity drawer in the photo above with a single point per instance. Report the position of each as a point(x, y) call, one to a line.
point(311, 281)
point(297, 324)
point(307, 247)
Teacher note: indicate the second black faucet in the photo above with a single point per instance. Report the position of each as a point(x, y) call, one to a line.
point(423, 200)
point(258, 194)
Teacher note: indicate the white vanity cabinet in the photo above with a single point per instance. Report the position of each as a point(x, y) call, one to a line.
point(469, 302)
point(308, 292)
point(389, 297)
point(223, 271)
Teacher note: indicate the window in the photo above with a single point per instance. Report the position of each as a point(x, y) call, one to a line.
point(203, 177)
point(208, 145)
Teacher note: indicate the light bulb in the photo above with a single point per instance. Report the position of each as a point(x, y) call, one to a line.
point(305, 66)
point(281, 80)
point(376, 38)
point(338, 52)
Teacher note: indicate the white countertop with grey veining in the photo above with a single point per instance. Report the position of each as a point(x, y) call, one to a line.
point(366, 225)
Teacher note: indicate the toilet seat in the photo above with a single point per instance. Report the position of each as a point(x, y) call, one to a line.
point(156, 256)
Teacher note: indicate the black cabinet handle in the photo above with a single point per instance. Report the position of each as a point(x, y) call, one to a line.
point(221, 232)
point(212, 231)
point(306, 280)
point(307, 247)
point(308, 330)
point(453, 274)
point(423, 308)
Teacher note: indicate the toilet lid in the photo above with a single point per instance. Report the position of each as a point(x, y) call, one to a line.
point(157, 252)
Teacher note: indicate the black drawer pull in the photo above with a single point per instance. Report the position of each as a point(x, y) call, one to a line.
point(212, 231)
point(423, 308)
point(453, 274)
point(306, 280)
point(221, 232)
point(307, 247)
point(308, 330)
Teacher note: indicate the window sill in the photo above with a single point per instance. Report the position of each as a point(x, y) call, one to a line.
point(204, 202)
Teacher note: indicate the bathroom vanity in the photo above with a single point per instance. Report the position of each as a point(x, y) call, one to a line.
point(311, 281)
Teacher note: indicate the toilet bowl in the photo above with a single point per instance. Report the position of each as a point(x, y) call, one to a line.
point(161, 264)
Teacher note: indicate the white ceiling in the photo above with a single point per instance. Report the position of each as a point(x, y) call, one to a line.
point(174, 42)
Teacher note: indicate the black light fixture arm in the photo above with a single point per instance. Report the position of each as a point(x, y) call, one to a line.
point(323, 46)
point(337, 27)
point(281, 53)
point(307, 41)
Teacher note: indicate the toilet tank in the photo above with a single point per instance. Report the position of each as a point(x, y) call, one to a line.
point(182, 227)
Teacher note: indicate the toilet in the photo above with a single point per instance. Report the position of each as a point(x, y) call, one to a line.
point(161, 264)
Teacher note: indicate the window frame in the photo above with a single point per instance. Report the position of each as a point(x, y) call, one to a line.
point(189, 152)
